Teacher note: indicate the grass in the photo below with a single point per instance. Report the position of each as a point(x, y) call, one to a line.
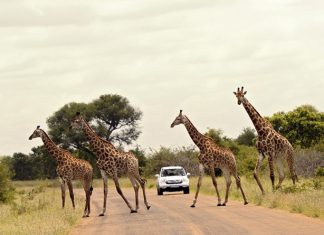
point(37, 210)
point(306, 197)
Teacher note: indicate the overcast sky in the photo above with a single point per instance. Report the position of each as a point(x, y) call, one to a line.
point(163, 56)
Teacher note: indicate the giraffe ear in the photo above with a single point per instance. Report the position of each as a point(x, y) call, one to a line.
point(245, 92)
point(37, 127)
point(234, 93)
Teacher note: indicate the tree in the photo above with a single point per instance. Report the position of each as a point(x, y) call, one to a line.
point(140, 154)
point(6, 189)
point(44, 162)
point(223, 141)
point(111, 116)
point(216, 135)
point(185, 157)
point(304, 126)
point(116, 119)
point(23, 167)
point(247, 137)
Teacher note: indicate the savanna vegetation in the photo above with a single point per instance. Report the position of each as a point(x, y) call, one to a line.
point(115, 120)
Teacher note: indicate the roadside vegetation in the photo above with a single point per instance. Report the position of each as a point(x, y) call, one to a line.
point(37, 209)
point(307, 197)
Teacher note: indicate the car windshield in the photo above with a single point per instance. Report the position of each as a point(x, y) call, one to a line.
point(173, 172)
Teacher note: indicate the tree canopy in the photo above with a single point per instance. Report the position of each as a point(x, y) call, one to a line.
point(111, 116)
point(247, 137)
point(303, 126)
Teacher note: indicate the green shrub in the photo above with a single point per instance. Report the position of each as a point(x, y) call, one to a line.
point(6, 189)
point(319, 171)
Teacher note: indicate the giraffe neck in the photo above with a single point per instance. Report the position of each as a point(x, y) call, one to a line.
point(96, 142)
point(196, 136)
point(260, 124)
point(51, 147)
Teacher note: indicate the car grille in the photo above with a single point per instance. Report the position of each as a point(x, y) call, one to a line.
point(174, 181)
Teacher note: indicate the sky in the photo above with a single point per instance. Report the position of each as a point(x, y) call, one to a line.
point(162, 56)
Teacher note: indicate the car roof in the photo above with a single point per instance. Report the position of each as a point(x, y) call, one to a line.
point(172, 167)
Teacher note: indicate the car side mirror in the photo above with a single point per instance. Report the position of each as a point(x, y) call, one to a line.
point(188, 174)
point(157, 175)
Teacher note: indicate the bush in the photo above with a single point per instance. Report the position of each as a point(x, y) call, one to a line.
point(319, 171)
point(186, 157)
point(308, 162)
point(6, 189)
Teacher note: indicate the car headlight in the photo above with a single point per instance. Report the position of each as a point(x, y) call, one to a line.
point(163, 180)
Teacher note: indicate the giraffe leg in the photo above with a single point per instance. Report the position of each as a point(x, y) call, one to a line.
point(212, 173)
point(136, 187)
point(69, 183)
point(87, 191)
point(256, 171)
point(291, 165)
point(63, 191)
point(142, 183)
point(201, 174)
point(228, 184)
point(280, 172)
point(119, 191)
point(238, 183)
point(87, 206)
point(272, 177)
point(105, 184)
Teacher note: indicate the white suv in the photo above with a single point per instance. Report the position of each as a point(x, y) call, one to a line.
point(172, 178)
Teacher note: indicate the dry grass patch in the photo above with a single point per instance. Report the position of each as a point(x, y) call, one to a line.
point(307, 197)
point(37, 210)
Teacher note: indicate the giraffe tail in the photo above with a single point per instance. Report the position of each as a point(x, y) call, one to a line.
point(238, 182)
point(143, 180)
point(91, 189)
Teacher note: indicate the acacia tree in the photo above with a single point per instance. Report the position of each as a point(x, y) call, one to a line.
point(111, 116)
point(116, 120)
point(304, 126)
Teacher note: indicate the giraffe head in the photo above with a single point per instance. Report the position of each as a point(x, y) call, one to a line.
point(240, 95)
point(76, 122)
point(180, 119)
point(36, 133)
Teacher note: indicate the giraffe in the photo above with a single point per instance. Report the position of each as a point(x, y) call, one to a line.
point(112, 162)
point(211, 156)
point(68, 168)
point(269, 144)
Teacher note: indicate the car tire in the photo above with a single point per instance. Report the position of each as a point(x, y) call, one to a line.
point(186, 191)
point(159, 192)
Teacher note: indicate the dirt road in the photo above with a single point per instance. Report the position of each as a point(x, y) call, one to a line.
point(171, 214)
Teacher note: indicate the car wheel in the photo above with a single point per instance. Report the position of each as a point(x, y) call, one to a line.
point(186, 191)
point(159, 192)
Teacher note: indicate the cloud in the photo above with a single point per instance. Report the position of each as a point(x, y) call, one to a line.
point(29, 14)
